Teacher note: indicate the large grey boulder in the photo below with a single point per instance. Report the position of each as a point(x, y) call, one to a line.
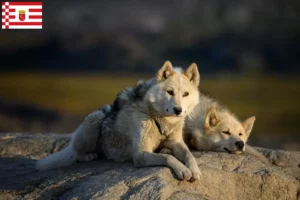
point(224, 176)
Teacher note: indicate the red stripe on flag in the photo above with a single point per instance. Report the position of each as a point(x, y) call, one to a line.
point(3, 3)
point(9, 10)
point(25, 23)
point(3, 23)
point(35, 10)
point(25, 3)
point(10, 17)
point(35, 17)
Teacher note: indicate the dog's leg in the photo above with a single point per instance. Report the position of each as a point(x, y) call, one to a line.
point(166, 151)
point(87, 157)
point(85, 140)
point(143, 156)
point(182, 153)
point(250, 150)
point(143, 159)
point(84, 143)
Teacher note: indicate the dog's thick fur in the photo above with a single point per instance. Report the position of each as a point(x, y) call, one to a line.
point(140, 127)
point(210, 126)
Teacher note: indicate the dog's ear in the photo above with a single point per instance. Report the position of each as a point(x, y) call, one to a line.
point(165, 71)
point(193, 74)
point(248, 125)
point(212, 119)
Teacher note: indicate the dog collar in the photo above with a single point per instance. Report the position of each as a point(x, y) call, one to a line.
point(158, 127)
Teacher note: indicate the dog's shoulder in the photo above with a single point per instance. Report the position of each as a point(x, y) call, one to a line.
point(132, 94)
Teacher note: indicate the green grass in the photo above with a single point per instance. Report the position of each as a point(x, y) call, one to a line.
point(274, 101)
point(69, 94)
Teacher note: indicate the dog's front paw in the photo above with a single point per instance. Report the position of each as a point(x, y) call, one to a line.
point(182, 172)
point(195, 171)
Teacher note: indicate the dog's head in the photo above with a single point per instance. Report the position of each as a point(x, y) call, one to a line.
point(176, 92)
point(227, 133)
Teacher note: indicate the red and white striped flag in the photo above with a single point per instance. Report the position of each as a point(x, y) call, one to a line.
point(22, 15)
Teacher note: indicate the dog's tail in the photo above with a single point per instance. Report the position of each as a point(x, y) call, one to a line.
point(84, 140)
point(250, 150)
point(65, 157)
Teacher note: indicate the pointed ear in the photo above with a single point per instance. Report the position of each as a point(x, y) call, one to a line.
point(165, 71)
point(193, 74)
point(248, 125)
point(212, 119)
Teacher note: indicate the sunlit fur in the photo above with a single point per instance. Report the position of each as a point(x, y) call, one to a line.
point(205, 125)
point(164, 103)
point(136, 126)
point(211, 126)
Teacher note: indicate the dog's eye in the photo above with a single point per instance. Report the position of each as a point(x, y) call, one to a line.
point(226, 132)
point(185, 94)
point(240, 134)
point(170, 92)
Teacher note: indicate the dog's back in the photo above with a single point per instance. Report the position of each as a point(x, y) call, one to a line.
point(194, 121)
point(132, 94)
point(138, 122)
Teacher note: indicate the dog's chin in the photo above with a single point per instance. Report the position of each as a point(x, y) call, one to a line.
point(174, 115)
point(170, 115)
point(233, 152)
point(238, 152)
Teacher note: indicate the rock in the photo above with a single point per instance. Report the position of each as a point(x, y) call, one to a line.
point(224, 176)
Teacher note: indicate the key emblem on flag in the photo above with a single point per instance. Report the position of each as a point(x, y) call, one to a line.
point(22, 15)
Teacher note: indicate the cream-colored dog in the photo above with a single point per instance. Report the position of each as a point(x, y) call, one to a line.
point(140, 127)
point(210, 126)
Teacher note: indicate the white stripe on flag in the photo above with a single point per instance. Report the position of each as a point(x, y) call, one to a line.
point(16, 19)
point(29, 13)
point(24, 7)
point(27, 20)
point(25, 27)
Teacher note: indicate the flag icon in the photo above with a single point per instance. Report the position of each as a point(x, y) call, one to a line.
point(22, 15)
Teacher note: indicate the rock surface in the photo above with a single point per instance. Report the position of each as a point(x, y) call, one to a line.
point(224, 176)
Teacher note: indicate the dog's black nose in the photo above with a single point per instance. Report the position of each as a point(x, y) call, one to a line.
point(239, 144)
point(177, 110)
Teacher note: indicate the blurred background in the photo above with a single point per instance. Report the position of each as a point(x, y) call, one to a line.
point(248, 54)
